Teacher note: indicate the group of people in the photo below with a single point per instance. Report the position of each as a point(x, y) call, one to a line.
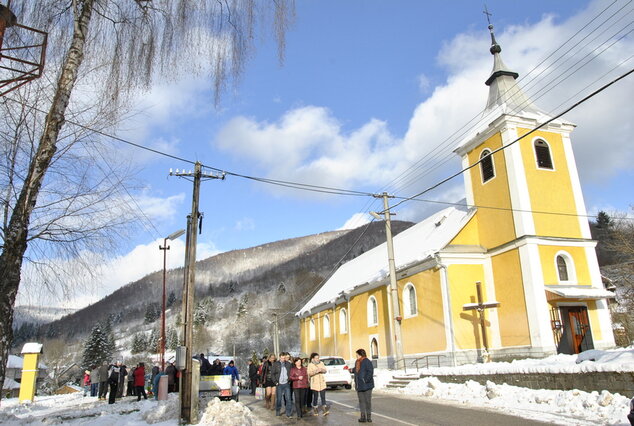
point(300, 384)
point(217, 368)
point(114, 381)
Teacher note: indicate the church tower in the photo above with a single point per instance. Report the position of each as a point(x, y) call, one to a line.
point(531, 219)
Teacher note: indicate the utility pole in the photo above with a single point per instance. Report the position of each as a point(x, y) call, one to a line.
point(396, 310)
point(276, 335)
point(187, 405)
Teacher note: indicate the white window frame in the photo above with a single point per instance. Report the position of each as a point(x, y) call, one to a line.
point(550, 152)
point(371, 311)
point(407, 307)
point(343, 321)
point(492, 166)
point(326, 324)
point(570, 266)
point(312, 333)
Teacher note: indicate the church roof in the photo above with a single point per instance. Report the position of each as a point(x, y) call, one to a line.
point(411, 246)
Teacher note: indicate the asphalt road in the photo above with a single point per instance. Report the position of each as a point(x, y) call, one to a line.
point(389, 410)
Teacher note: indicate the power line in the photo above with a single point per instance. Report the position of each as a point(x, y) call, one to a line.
point(575, 105)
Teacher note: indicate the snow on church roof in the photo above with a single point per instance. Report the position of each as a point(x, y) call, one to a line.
point(410, 246)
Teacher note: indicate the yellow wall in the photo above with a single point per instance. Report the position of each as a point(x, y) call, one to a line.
point(550, 190)
point(595, 324)
point(462, 279)
point(495, 227)
point(424, 332)
point(509, 291)
point(469, 234)
point(342, 346)
point(578, 254)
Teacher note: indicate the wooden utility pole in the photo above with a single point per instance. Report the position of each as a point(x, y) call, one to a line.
point(189, 415)
point(393, 293)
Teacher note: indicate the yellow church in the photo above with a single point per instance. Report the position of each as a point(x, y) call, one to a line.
point(539, 274)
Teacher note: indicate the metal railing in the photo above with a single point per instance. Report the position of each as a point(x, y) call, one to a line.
point(426, 359)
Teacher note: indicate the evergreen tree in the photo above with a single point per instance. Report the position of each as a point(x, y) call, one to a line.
point(153, 341)
point(172, 338)
point(603, 220)
point(171, 299)
point(95, 348)
point(107, 329)
point(152, 312)
point(138, 343)
point(242, 306)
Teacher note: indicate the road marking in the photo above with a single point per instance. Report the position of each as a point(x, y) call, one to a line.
point(376, 414)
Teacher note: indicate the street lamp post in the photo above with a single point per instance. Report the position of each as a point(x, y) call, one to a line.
point(164, 248)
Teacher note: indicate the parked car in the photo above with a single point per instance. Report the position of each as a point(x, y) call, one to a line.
point(338, 373)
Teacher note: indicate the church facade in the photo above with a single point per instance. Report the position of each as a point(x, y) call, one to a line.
point(525, 239)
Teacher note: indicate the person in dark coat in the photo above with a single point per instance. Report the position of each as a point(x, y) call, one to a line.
point(364, 383)
point(216, 368)
point(113, 381)
point(281, 373)
point(131, 391)
point(123, 372)
point(253, 376)
point(139, 381)
point(155, 371)
point(171, 377)
point(205, 366)
point(103, 380)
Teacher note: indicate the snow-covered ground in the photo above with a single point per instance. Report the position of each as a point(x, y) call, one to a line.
point(573, 407)
point(76, 409)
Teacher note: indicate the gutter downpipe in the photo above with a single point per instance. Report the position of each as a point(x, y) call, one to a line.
point(444, 279)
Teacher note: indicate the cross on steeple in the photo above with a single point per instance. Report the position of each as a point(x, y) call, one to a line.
point(486, 12)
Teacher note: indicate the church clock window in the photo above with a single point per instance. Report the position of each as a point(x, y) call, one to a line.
point(542, 155)
point(373, 312)
point(326, 322)
point(410, 306)
point(486, 166)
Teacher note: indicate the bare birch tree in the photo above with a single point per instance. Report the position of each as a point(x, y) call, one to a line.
point(141, 41)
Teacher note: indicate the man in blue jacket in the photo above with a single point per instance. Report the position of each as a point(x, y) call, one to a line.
point(231, 370)
point(364, 383)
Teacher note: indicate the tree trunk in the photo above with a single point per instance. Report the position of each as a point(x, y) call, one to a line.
point(15, 238)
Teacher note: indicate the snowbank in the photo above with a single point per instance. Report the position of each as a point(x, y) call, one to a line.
point(561, 407)
point(228, 413)
point(617, 360)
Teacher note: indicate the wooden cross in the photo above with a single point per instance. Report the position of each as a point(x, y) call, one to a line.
point(486, 12)
point(480, 307)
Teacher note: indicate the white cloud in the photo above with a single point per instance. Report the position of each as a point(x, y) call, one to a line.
point(161, 209)
point(424, 84)
point(357, 219)
point(316, 148)
point(83, 287)
point(245, 224)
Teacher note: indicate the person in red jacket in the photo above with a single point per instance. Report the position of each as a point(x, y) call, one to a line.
point(299, 378)
point(139, 381)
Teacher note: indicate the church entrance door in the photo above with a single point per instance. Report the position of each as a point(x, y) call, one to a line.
point(577, 336)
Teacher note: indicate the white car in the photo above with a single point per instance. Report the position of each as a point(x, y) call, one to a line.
point(338, 373)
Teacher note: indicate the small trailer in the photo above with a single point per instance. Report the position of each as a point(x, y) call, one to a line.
point(221, 386)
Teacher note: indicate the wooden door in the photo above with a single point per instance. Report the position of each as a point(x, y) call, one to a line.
point(579, 326)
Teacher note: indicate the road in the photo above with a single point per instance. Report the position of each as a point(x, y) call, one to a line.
point(390, 410)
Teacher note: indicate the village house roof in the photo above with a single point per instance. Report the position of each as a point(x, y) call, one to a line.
point(411, 246)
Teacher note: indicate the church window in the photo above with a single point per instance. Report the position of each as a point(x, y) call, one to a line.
point(542, 154)
point(373, 312)
point(565, 267)
point(311, 330)
point(486, 166)
point(343, 321)
point(410, 308)
point(326, 322)
point(374, 349)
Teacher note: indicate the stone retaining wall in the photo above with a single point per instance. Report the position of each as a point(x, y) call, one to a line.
point(622, 383)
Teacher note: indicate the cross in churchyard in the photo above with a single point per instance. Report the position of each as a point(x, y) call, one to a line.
point(486, 12)
point(480, 307)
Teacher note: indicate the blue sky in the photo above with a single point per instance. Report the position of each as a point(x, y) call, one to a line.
point(366, 89)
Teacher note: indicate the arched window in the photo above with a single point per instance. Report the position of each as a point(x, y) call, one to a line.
point(311, 330)
point(374, 349)
point(343, 321)
point(486, 166)
point(410, 306)
point(565, 267)
point(326, 323)
point(542, 155)
point(373, 312)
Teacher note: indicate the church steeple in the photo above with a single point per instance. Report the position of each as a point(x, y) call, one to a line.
point(503, 90)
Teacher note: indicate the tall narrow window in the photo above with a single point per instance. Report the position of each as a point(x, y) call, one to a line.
point(373, 312)
point(410, 307)
point(542, 154)
point(486, 166)
point(311, 330)
point(562, 268)
point(326, 322)
point(343, 321)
